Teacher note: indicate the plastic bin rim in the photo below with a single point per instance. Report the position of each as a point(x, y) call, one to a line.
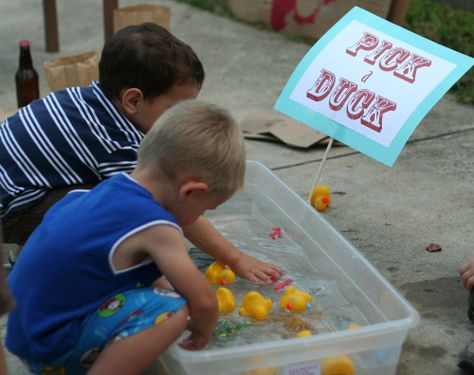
point(330, 338)
point(409, 309)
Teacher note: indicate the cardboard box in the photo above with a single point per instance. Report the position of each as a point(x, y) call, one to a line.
point(307, 18)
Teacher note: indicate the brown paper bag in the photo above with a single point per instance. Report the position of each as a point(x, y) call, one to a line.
point(274, 126)
point(71, 71)
point(136, 14)
point(308, 18)
point(4, 114)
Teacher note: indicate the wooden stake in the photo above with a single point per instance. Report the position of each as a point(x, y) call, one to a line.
point(398, 11)
point(323, 160)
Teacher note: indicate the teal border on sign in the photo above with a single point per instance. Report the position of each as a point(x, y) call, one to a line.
point(385, 155)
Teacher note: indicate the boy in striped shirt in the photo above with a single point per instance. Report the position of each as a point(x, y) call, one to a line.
point(77, 137)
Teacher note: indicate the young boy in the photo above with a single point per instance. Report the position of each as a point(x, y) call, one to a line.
point(85, 312)
point(466, 272)
point(80, 136)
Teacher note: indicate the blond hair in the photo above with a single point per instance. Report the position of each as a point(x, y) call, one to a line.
point(197, 138)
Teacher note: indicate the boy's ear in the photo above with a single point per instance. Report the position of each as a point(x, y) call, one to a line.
point(131, 100)
point(190, 187)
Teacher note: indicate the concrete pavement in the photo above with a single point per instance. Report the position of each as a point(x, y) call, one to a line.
point(389, 214)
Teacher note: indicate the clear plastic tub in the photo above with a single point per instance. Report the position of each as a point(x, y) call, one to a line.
point(321, 260)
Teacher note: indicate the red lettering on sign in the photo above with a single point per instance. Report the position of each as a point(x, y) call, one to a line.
point(393, 58)
point(341, 93)
point(373, 57)
point(362, 104)
point(408, 70)
point(366, 77)
point(373, 118)
point(367, 42)
point(359, 103)
point(402, 62)
point(322, 87)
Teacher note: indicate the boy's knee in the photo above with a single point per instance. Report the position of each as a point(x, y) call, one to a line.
point(181, 316)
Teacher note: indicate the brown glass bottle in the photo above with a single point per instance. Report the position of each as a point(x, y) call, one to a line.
point(26, 77)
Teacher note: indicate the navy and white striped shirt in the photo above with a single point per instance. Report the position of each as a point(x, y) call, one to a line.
point(70, 137)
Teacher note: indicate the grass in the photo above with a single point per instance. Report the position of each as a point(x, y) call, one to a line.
point(453, 28)
point(450, 27)
point(215, 6)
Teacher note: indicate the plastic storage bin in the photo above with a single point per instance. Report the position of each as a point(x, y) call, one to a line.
point(374, 348)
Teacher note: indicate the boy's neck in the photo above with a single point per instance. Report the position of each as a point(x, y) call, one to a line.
point(159, 185)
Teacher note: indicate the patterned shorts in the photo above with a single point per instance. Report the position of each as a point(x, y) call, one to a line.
point(123, 315)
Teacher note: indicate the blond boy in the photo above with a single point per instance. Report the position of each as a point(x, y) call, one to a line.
point(86, 313)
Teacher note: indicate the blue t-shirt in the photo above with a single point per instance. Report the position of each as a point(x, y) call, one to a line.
point(65, 272)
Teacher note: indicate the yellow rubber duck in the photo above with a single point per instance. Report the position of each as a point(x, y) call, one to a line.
point(338, 365)
point(226, 277)
point(304, 333)
point(321, 197)
point(225, 300)
point(219, 274)
point(255, 306)
point(353, 326)
point(294, 300)
point(261, 371)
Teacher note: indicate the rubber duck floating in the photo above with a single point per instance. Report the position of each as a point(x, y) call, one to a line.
point(321, 197)
point(225, 300)
point(295, 300)
point(338, 365)
point(353, 326)
point(304, 333)
point(255, 305)
point(219, 274)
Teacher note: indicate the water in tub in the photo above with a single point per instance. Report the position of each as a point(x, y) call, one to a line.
point(249, 220)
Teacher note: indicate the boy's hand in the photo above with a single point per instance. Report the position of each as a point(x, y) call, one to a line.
point(196, 340)
point(255, 270)
point(466, 271)
point(204, 236)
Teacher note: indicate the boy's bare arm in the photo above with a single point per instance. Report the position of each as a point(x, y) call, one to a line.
point(6, 303)
point(166, 246)
point(206, 237)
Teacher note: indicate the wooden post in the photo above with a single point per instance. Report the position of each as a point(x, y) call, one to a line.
point(109, 6)
point(50, 19)
point(398, 11)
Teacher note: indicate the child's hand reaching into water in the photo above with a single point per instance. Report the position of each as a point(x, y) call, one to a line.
point(197, 339)
point(466, 271)
point(255, 270)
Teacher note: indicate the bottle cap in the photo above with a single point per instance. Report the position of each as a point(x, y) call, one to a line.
point(24, 43)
